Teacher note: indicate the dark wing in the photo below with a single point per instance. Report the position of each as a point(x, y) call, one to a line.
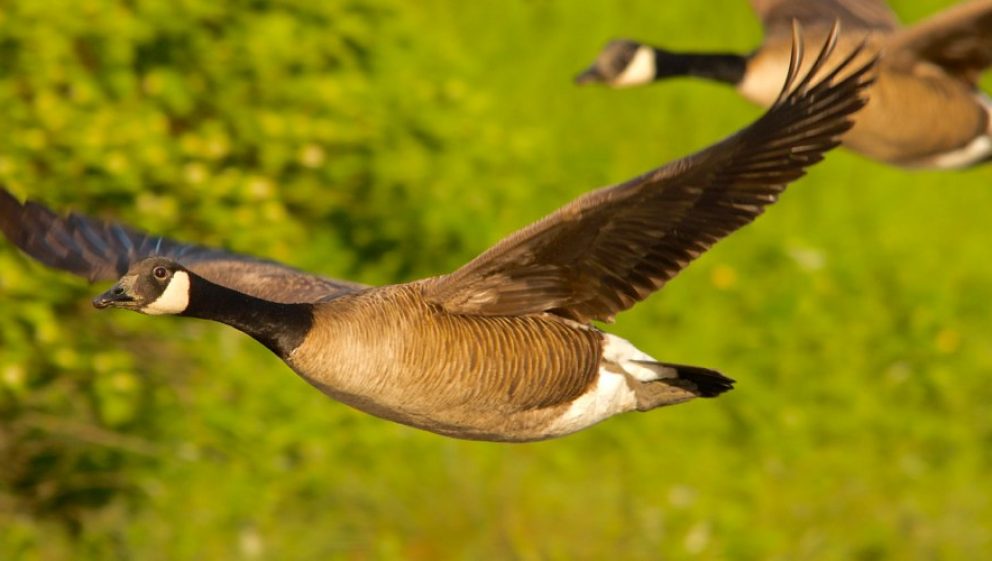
point(855, 15)
point(958, 39)
point(611, 248)
point(103, 251)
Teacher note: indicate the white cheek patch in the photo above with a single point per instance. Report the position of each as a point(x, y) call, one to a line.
point(640, 70)
point(174, 299)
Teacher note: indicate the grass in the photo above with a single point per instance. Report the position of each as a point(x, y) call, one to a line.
point(855, 316)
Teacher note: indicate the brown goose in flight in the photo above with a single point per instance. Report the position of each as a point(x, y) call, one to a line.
point(924, 109)
point(503, 348)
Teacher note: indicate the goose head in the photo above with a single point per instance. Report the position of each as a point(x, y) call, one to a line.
point(622, 63)
point(153, 286)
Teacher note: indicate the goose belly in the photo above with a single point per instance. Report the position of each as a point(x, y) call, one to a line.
point(918, 121)
point(488, 378)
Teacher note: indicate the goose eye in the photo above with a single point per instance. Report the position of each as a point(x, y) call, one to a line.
point(160, 272)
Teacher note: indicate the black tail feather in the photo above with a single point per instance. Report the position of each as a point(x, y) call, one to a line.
point(709, 383)
point(706, 382)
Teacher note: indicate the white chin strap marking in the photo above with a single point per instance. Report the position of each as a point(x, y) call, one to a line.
point(640, 69)
point(174, 299)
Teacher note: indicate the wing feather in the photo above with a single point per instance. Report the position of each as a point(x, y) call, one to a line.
point(103, 251)
point(855, 15)
point(611, 248)
point(959, 40)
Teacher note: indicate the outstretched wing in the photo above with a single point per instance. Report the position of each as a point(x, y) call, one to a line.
point(855, 15)
point(611, 248)
point(959, 40)
point(102, 251)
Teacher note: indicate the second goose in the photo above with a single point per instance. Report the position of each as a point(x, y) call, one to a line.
point(924, 110)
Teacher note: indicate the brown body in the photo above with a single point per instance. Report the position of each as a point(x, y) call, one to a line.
point(919, 120)
point(389, 352)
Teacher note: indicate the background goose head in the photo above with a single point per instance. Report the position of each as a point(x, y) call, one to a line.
point(624, 63)
point(154, 286)
point(621, 63)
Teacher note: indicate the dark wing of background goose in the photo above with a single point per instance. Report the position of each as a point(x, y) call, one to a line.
point(103, 251)
point(959, 40)
point(613, 247)
point(854, 15)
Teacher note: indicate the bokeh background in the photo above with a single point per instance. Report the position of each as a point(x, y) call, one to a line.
point(384, 140)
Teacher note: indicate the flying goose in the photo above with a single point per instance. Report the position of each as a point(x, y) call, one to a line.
point(924, 109)
point(503, 348)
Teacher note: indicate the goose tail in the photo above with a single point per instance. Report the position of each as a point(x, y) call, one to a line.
point(701, 381)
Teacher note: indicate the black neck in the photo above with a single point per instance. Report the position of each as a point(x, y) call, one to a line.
point(722, 67)
point(280, 327)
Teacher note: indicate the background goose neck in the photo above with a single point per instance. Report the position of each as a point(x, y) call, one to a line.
point(721, 67)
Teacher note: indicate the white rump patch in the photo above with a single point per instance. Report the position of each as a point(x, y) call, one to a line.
point(972, 153)
point(611, 394)
point(976, 151)
point(174, 299)
point(640, 70)
point(625, 355)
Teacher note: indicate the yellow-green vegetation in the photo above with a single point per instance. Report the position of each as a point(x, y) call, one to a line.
point(380, 141)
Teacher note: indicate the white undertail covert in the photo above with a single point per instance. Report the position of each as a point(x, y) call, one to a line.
point(611, 394)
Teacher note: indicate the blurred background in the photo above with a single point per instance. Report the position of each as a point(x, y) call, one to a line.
point(382, 141)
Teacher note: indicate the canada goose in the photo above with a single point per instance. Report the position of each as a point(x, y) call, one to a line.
point(924, 109)
point(503, 348)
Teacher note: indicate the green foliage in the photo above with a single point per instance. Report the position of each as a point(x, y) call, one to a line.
point(380, 141)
